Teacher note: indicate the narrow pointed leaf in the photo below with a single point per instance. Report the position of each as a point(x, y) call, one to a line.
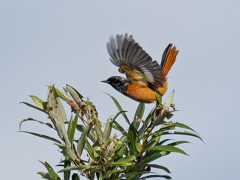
point(37, 101)
point(120, 109)
point(138, 115)
point(98, 131)
point(67, 173)
point(42, 136)
point(115, 117)
point(158, 96)
point(30, 119)
point(134, 174)
point(132, 139)
point(159, 167)
point(75, 94)
point(51, 171)
point(152, 142)
point(149, 158)
point(147, 120)
point(167, 148)
point(81, 141)
point(73, 168)
point(183, 133)
point(81, 128)
point(157, 176)
point(66, 151)
point(35, 107)
point(163, 141)
point(124, 160)
point(89, 149)
point(45, 175)
point(122, 150)
point(58, 115)
point(120, 143)
point(119, 128)
point(71, 128)
point(181, 125)
point(107, 131)
point(177, 143)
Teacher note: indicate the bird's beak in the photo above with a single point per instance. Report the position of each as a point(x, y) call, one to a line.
point(105, 81)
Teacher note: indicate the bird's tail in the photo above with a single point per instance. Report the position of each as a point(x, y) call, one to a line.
point(168, 58)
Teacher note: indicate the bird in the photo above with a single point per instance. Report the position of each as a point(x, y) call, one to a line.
point(144, 76)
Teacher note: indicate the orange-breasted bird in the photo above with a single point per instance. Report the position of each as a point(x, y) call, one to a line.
point(144, 76)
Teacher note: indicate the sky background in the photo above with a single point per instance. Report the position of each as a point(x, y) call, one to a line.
point(64, 42)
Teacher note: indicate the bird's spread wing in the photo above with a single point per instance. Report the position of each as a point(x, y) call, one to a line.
point(135, 62)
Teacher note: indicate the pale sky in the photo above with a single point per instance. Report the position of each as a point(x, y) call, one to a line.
point(64, 42)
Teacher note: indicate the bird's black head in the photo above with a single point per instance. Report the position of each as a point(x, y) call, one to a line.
point(118, 83)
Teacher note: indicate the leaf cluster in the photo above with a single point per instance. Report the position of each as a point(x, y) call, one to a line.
point(127, 156)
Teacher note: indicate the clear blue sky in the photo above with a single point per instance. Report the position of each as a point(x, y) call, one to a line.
point(64, 42)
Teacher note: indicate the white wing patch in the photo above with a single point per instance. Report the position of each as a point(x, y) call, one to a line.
point(148, 74)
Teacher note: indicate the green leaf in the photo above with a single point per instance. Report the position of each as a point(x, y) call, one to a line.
point(107, 131)
point(167, 148)
point(177, 143)
point(62, 94)
point(122, 150)
point(30, 119)
point(152, 142)
point(67, 173)
point(181, 125)
point(159, 167)
point(120, 109)
point(73, 168)
point(42, 136)
point(183, 133)
point(75, 94)
point(71, 128)
point(89, 149)
point(144, 126)
point(134, 174)
point(58, 115)
point(67, 152)
point(132, 139)
point(138, 115)
point(45, 175)
point(156, 176)
point(120, 143)
point(166, 126)
point(35, 107)
point(124, 160)
point(109, 173)
point(51, 171)
point(37, 101)
point(115, 117)
point(158, 96)
point(119, 128)
point(81, 128)
point(81, 141)
point(149, 158)
point(98, 130)
point(163, 141)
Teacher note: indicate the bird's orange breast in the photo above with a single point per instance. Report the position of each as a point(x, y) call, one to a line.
point(142, 93)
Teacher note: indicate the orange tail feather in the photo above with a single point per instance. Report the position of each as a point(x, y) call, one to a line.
point(168, 58)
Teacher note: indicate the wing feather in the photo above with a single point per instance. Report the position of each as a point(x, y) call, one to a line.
point(134, 61)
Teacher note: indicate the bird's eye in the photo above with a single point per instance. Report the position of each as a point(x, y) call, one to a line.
point(114, 79)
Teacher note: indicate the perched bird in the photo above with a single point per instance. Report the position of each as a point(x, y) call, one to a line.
point(144, 76)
